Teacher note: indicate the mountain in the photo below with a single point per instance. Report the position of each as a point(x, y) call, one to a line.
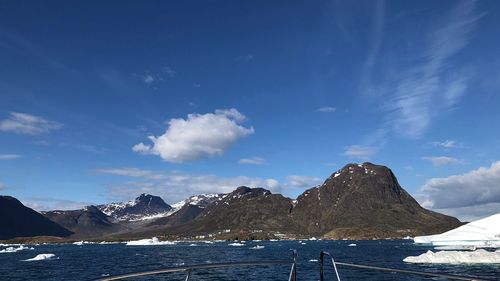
point(187, 210)
point(365, 201)
point(85, 223)
point(249, 209)
point(143, 207)
point(17, 220)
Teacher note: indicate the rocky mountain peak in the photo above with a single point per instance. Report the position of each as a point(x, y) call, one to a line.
point(145, 205)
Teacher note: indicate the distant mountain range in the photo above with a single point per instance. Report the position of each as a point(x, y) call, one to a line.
point(360, 201)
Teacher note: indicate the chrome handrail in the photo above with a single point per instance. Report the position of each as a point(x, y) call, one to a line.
point(191, 268)
point(421, 273)
point(321, 270)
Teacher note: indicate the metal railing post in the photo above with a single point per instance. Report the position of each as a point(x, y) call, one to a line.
point(188, 276)
point(321, 269)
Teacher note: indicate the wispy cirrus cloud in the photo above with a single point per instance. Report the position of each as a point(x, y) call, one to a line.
point(447, 144)
point(428, 82)
point(326, 109)
point(27, 124)
point(442, 160)
point(431, 86)
point(10, 156)
point(252, 161)
point(470, 195)
point(150, 78)
point(197, 136)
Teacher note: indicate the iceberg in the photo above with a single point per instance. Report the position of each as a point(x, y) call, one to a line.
point(149, 242)
point(257, 247)
point(483, 233)
point(40, 257)
point(456, 257)
point(13, 250)
point(352, 245)
point(236, 244)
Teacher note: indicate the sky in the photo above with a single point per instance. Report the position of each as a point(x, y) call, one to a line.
point(103, 100)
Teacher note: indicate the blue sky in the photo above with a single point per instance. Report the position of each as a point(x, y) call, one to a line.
point(101, 101)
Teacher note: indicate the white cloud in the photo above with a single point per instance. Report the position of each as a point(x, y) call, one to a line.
point(447, 144)
point(169, 71)
point(148, 79)
point(198, 136)
point(175, 186)
point(22, 123)
point(252, 161)
point(132, 172)
point(359, 151)
point(442, 160)
point(302, 181)
point(476, 191)
point(326, 109)
point(50, 204)
point(9, 156)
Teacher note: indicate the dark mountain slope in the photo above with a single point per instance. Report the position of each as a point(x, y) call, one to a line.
point(85, 223)
point(17, 220)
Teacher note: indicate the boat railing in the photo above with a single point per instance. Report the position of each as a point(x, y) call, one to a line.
point(188, 270)
point(369, 267)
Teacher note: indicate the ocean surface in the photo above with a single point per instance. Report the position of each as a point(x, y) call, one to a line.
point(91, 261)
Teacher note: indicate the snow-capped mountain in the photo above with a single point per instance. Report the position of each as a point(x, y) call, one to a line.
point(201, 200)
point(145, 206)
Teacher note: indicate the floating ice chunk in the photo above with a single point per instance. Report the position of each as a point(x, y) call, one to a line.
point(149, 242)
point(80, 243)
point(303, 243)
point(455, 257)
point(313, 260)
point(483, 233)
point(236, 244)
point(313, 239)
point(257, 247)
point(193, 245)
point(13, 250)
point(106, 243)
point(41, 257)
point(352, 245)
point(208, 242)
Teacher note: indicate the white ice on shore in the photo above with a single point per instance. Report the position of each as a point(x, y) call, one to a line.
point(40, 257)
point(236, 244)
point(13, 250)
point(455, 257)
point(80, 243)
point(483, 233)
point(149, 242)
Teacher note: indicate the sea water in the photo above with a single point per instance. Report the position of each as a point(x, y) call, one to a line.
point(91, 261)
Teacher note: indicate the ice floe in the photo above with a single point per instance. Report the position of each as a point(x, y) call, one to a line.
point(13, 249)
point(257, 247)
point(149, 242)
point(352, 245)
point(41, 257)
point(455, 257)
point(313, 260)
point(80, 243)
point(236, 244)
point(483, 233)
